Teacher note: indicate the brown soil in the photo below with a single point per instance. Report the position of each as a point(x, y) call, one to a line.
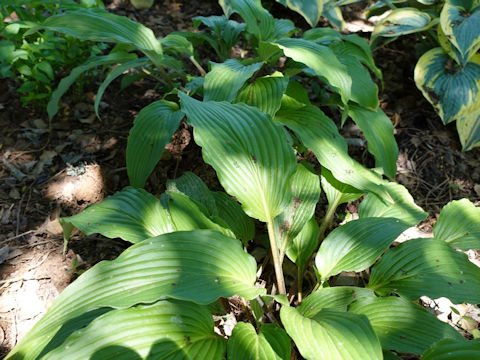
point(45, 175)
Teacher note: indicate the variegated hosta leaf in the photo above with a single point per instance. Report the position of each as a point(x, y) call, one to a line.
point(402, 208)
point(333, 14)
point(66, 82)
point(459, 20)
point(427, 267)
point(401, 22)
point(311, 10)
point(378, 131)
point(336, 191)
point(356, 245)
point(452, 90)
point(468, 128)
point(198, 266)
point(152, 130)
point(449, 349)
point(304, 244)
point(265, 93)
point(251, 166)
point(305, 187)
point(224, 80)
point(327, 298)
point(271, 343)
point(322, 61)
point(402, 325)
point(332, 335)
point(168, 329)
point(100, 25)
point(459, 225)
point(131, 214)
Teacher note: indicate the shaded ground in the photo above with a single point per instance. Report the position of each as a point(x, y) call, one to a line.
point(44, 176)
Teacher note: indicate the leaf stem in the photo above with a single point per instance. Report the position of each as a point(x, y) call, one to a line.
point(327, 220)
point(198, 66)
point(277, 263)
point(300, 271)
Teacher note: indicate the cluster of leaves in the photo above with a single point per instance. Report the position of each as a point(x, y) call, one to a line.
point(449, 73)
point(36, 59)
point(251, 117)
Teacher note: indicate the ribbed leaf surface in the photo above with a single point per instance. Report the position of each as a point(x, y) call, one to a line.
point(402, 325)
point(459, 225)
point(427, 267)
point(249, 152)
point(401, 22)
point(327, 298)
point(336, 191)
point(332, 335)
point(311, 10)
point(152, 130)
point(271, 343)
point(224, 80)
point(259, 21)
point(168, 329)
point(265, 93)
point(198, 266)
point(449, 349)
point(322, 61)
point(131, 214)
point(356, 245)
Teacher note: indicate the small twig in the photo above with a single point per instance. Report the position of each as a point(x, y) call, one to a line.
point(9, 281)
point(16, 236)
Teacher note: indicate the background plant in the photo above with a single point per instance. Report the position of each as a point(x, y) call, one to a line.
point(251, 117)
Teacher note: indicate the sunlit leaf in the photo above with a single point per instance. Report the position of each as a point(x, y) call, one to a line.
point(468, 128)
point(401, 22)
point(327, 298)
point(336, 191)
point(301, 248)
point(259, 21)
point(311, 10)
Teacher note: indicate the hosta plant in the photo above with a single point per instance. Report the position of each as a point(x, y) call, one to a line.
point(448, 74)
point(170, 294)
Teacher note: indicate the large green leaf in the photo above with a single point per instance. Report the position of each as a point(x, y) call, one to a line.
point(401, 22)
point(468, 128)
point(224, 80)
point(336, 191)
point(449, 349)
point(327, 298)
point(259, 21)
point(131, 214)
point(427, 267)
point(66, 82)
point(152, 130)
point(271, 343)
point(459, 20)
point(452, 90)
point(378, 131)
point(304, 244)
point(265, 93)
point(332, 335)
point(356, 245)
point(459, 225)
point(251, 166)
point(311, 10)
point(99, 25)
point(401, 325)
point(198, 266)
point(322, 61)
point(403, 207)
point(168, 329)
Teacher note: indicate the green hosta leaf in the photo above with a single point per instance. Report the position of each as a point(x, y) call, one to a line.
point(403, 207)
point(131, 214)
point(452, 90)
point(304, 244)
point(231, 212)
point(226, 30)
point(401, 325)
point(336, 191)
point(265, 93)
point(378, 131)
point(116, 72)
point(100, 25)
point(449, 349)
point(401, 22)
point(359, 48)
point(332, 335)
point(356, 245)
point(427, 267)
point(327, 298)
point(225, 79)
point(259, 21)
point(311, 10)
point(305, 187)
point(66, 82)
point(459, 225)
point(320, 134)
point(271, 343)
point(322, 61)
point(322, 35)
point(152, 130)
point(198, 266)
point(468, 128)
point(177, 43)
point(254, 168)
point(168, 329)
point(459, 20)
